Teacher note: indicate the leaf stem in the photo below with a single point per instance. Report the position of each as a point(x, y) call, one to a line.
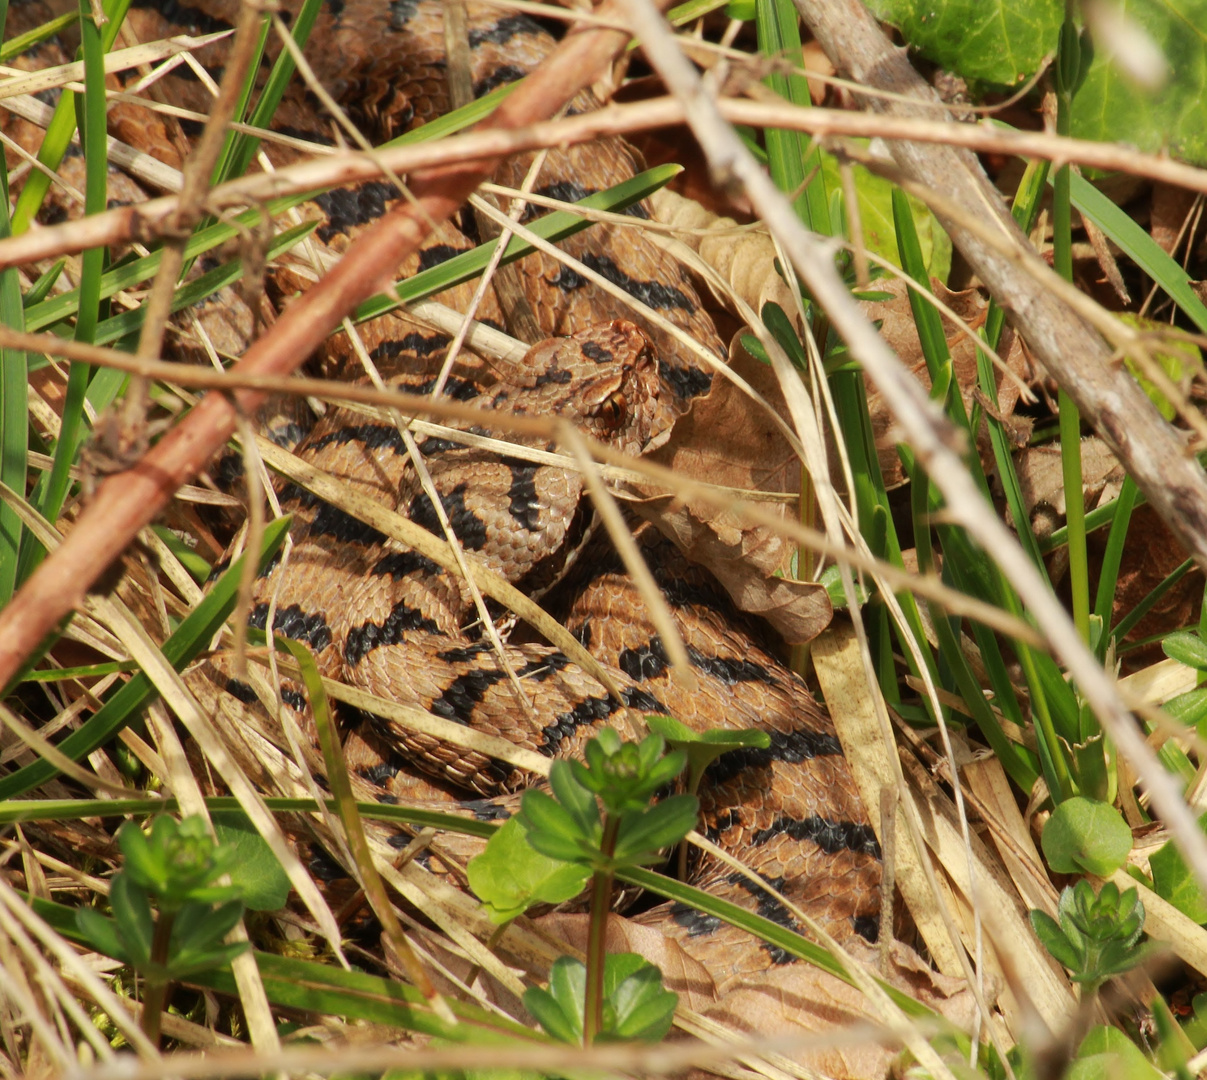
point(155, 996)
point(601, 906)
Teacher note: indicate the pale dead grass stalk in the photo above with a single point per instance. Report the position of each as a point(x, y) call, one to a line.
point(926, 432)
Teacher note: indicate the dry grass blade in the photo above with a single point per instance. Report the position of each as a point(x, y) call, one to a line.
point(881, 666)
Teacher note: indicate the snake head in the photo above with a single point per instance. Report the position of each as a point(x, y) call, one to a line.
point(606, 379)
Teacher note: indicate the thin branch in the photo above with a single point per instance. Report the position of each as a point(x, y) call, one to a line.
point(145, 220)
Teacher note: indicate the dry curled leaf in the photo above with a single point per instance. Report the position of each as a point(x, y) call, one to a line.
point(728, 439)
point(744, 257)
point(1041, 477)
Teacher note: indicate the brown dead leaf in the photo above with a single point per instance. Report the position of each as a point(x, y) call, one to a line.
point(1170, 207)
point(801, 999)
point(791, 999)
point(1041, 478)
point(685, 976)
point(744, 257)
point(727, 439)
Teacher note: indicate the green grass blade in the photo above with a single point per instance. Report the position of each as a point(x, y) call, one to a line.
point(1140, 247)
point(59, 131)
point(553, 227)
point(240, 147)
point(789, 156)
point(128, 274)
point(190, 637)
point(238, 143)
point(17, 45)
point(52, 490)
point(120, 326)
point(1129, 621)
point(40, 289)
point(1027, 202)
point(1108, 577)
point(14, 409)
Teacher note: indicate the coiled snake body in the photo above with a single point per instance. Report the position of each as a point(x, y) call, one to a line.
point(385, 618)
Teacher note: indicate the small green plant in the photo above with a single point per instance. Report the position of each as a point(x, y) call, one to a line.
point(1096, 936)
point(635, 1004)
point(598, 820)
point(169, 918)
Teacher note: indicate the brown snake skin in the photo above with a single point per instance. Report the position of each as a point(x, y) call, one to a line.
point(386, 619)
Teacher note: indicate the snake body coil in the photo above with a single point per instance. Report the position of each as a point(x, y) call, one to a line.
point(384, 618)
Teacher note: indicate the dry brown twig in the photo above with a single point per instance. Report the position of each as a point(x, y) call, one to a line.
point(332, 169)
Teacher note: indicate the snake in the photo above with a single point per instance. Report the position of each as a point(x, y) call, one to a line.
point(385, 618)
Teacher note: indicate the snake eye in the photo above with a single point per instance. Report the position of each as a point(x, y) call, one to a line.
point(612, 410)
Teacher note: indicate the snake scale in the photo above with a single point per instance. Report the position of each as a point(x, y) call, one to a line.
point(384, 618)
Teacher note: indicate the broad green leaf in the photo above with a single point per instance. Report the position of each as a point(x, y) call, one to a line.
point(643, 833)
point(1172, 117)
point(1181, 361)
point(1189, 708)
point(132, 914)
point(1083, 836)
point(1053, 938)
point(993, 41)
point(831, 578)
point(875, 195)
point(510, 875)
point(261, 880)
point(100, 932)
point(559, 1010)
point(1108, 1054)
point(1173, 881)
point(553, 831)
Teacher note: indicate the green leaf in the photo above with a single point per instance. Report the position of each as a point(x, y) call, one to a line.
point(643, 833)
point(1179, 360)
point(510, 876)
point(1187, 648)
point(559, 1010)
point(1171, 117)
point(994, 41)
point(133, 918)
point(1189, 708)
point(554, 832)
point(706, 745)
point(200, 926)
point(831, 578)
point(1108, 1054)
point(1083, 836)
point(635, 1004)
point(260, 879)
point(875, 196)
point(639, 1006)
point(101, 933)
point(1053, 938)
point(190, 962)
point(575, 800)
point(1173, 881)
